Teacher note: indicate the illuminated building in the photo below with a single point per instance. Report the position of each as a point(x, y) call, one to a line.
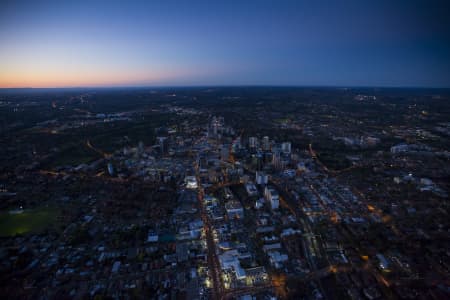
point(191, 182)
point(229, 260)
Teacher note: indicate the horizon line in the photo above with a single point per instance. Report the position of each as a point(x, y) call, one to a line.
point(230, 86)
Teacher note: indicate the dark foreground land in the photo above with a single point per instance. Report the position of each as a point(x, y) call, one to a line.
point(225, 193)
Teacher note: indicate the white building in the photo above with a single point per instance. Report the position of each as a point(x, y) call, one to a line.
point(271, 195)
point(229, 260)
point(261, 178)
point(286, 147)
point(191, 182)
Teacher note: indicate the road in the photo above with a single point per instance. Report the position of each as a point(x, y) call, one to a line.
point(247, 290)
point(99, 151)
point(213, 260)
point(309, 239)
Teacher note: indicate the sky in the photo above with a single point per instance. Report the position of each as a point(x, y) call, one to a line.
point(204, 43)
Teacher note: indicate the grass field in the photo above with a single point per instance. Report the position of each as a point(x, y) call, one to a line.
point(33, 220)
point(74, 156)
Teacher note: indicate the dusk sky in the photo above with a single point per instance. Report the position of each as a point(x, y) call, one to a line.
point(160, 43)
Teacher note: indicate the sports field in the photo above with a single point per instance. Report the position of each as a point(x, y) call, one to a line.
point(33, 220)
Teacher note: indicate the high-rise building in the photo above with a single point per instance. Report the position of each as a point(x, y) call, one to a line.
point(216, 126)
point(271, 195)
point(266, 143)
point(286, 147)
point(225, 152)
point(252, 142)
point(140, 148)
point(236, 146)
point(111, 169)
point(162, 141)
point(276, 160)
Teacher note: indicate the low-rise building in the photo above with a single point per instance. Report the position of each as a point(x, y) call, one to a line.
point(234, 209)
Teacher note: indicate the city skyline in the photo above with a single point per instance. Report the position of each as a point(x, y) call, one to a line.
point(294, 43)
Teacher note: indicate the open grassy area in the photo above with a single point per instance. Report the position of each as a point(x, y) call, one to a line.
point(74, 156)
point(33, 220)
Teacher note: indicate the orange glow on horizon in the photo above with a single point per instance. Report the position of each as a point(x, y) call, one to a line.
point(83, 78)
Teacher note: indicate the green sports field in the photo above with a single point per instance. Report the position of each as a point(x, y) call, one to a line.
point(33, 220)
